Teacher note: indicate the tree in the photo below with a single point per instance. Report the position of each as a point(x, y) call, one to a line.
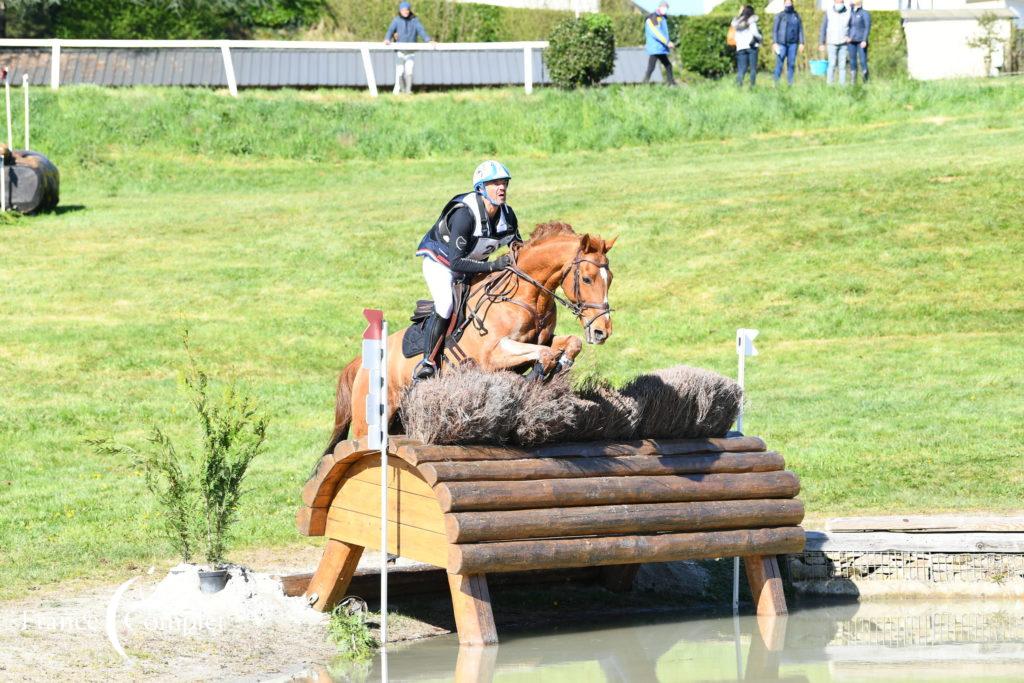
point(990, 39)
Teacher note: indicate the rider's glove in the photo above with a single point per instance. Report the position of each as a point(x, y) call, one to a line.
point(501, 263)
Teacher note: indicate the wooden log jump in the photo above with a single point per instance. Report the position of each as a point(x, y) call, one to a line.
point(473, 510)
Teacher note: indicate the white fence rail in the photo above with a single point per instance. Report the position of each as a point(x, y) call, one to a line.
point(226, 46)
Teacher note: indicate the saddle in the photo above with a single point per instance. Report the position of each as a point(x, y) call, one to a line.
point(412, 340)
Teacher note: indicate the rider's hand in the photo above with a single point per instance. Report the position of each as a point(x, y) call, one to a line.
point(501, 263)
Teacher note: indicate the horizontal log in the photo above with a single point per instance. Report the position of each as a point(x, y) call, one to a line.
point(547, 493)
point(474, 558)
point(418, 454)
point(928, 523)
point(880, 541)
point(615, 466)
point(507, 525)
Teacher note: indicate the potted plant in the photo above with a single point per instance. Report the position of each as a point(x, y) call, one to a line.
point(199, 485)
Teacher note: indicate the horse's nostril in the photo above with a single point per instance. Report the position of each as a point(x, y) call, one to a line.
point(600, 334)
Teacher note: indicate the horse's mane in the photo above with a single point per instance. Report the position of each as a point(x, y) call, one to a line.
point(545, 231)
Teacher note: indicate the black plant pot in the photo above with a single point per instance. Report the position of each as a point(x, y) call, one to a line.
point(213, 581)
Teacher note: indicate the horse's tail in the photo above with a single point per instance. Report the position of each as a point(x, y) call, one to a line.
point(343, 404)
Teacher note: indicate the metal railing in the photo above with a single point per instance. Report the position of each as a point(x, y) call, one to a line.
point(226, 46)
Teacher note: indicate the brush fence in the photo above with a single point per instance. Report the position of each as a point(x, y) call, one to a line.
point(478, 509)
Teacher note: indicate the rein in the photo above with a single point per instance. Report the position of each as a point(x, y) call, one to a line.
point(502, 289)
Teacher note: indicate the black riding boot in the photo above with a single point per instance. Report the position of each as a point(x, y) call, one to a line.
point(433, 332)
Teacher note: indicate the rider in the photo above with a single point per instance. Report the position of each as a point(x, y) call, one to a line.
point(470, 228)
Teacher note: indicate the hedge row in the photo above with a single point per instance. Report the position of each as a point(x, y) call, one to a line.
point(161, 19)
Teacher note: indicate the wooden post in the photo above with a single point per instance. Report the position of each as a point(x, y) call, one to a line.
point(765, 584)
point(229, 70)
point(371, 80)
point(528, 69)
point(55, 65)
point(472, 604)
point(333, 574)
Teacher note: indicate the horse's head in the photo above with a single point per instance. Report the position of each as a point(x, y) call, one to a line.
point(586, 283)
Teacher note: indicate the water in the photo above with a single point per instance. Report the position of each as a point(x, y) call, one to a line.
point(893, 641)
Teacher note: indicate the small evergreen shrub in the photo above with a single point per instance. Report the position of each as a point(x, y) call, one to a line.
point(702, 47)
point(581, 52)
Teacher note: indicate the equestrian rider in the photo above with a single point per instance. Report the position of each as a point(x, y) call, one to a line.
point(470, 228)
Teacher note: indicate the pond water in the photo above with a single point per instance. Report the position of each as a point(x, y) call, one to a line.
point(891, 641)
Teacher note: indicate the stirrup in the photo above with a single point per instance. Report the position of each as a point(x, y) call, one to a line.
point(425, 369)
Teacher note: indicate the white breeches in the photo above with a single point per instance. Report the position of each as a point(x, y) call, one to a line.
point(439, 282)
point(404, 63)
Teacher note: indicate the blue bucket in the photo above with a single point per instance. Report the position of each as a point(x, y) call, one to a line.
point(819, 67)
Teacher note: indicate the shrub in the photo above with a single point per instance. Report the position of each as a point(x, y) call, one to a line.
point(702, 47)
point(581, 51)
point(199, 487)
point(684, 402)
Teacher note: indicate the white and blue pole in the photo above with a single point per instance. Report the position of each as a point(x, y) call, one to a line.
point(744, 347)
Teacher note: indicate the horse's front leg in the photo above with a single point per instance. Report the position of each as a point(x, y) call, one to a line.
point(508, 354)
point(566, 348)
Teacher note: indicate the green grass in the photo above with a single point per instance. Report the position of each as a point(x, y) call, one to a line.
point(873, 236)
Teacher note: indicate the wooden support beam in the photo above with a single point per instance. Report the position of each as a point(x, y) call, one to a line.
point(472, 604)
point(612, 466)
point(333, 575)
point(510, 525)
point(518, 495)
point(765, 584)
point(477, 558)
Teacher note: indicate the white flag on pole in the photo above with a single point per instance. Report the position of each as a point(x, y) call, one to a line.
point(745, 342)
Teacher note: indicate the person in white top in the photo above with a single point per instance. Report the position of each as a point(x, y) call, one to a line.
point(748, 39)
point(835, 33)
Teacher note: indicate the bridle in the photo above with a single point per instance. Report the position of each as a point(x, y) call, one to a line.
point(576, 307)
point(502, 289)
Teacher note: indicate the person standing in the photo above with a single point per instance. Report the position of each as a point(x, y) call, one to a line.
point(748, 38)
point(787, 40)
point(860, 33)
point(657, 43)
point(835, 34)
point(405, 28)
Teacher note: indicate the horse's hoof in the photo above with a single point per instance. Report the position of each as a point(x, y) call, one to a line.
point(564, 363)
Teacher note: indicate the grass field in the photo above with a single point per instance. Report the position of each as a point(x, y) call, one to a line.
point(873, 236)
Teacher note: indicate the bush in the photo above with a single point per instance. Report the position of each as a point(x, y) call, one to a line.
point(702, 47)
point(581, 51)
point(164, 19)
point(199, 487)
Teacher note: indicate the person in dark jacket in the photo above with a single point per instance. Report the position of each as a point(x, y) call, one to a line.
point(657, 43)
point(787, 39)
point(860, 33)
point(405, 28)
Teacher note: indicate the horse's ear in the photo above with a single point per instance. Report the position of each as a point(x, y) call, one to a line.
point(587, 243)
point(608, 244)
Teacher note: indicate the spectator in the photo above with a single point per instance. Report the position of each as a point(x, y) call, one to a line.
point(787, 39)
point(748, 39)
point(658, 44)
point(405, 28)
point(835, 33)
point(860, 32)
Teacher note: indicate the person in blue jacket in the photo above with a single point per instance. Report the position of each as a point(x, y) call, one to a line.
point(788, 39)
point(860, 32)
point(405, 28)
point(658, 44)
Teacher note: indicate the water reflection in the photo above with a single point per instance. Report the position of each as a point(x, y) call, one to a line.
point(946, 641)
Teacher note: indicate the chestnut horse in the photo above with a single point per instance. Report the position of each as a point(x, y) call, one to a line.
point(511, 319)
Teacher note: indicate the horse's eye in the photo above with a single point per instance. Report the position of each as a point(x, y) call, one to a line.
point(587, 281)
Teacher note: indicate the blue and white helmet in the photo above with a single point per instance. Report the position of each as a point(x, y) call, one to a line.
point(488, 171)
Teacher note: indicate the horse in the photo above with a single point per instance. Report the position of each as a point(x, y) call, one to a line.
point(510, 318)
